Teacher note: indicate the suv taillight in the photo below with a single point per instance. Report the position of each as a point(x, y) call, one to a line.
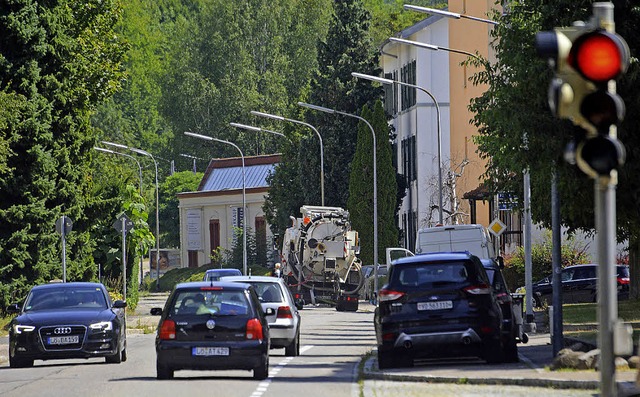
point(623, 280)
point(386, 295)
point(284, 312)
point(254, 330)
point(479, 289)
point(168, 330)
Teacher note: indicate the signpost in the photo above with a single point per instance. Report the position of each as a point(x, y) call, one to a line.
point(64, 225)
point(123, 224)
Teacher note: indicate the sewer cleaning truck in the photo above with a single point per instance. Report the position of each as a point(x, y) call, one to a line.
point(320, 258)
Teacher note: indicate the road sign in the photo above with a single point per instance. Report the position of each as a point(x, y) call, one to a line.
point(128, 223)
point(64, 225)
point(497, 227)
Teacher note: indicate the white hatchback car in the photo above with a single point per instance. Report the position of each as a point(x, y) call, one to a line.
point(284, 324)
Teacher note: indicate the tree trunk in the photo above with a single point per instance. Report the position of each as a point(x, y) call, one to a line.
point(634, 267)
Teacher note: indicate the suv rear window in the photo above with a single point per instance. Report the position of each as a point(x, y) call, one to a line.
point(623, 271)
point(220, 302)
point(426, 275)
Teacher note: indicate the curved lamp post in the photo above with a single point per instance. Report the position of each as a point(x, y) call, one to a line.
point(375, 182)
point(273, 116)
point(155, 163)
point(389, 81)
point(447, 14)
point(256, 129)
point(244, 197)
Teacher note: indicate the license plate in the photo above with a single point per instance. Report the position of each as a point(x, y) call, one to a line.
point(64, 340)
point(439, 305)
point(210, 351)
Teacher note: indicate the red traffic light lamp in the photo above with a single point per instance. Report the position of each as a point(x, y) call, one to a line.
point(599, 56)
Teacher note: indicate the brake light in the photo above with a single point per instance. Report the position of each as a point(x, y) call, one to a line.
point(386, 295)
point(254, 330)
point(389, 336)
point(487, 330)
point(168, 330)
point(480, 289)
point(623, 280)
point(284, 312)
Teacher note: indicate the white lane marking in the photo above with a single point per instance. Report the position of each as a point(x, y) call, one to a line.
point(264, 385)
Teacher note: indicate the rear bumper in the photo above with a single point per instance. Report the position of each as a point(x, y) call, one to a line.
point(242, 355)
point(464, 337)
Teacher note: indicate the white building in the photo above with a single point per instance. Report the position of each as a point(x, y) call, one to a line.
point(209, 215)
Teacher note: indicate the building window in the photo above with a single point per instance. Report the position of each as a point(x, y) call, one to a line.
point(261, 241)
point(391, 94)
point(408, 94)
point(409, 158)
point(214, 235)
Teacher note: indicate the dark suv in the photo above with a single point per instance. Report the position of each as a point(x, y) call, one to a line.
point(579, 285)
point(437, 304)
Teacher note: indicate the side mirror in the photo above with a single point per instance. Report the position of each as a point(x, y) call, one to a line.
point(119, 304)
point(156, 311)
point(269, 311)
point(13, 308)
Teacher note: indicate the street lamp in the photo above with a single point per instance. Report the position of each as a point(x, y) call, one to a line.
point(256, 129)
point(155, 163)
point(194, 158)
point(432, 47)
point(389, 81)
point(273, 116)
point(447, 14)
point(140, 169)
point(244, 197)
point(375, 182)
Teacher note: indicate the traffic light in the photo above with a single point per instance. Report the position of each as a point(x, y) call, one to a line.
point(587, 61)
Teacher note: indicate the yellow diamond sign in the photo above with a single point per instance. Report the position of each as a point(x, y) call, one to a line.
point(497, 227)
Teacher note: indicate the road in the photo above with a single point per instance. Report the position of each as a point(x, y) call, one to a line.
point(332, 347)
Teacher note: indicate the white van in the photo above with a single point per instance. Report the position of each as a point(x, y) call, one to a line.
point(451, 238)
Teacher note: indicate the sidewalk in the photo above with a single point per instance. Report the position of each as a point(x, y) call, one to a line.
point(532, 371)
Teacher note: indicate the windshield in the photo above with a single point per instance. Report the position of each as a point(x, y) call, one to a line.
point(66, 298)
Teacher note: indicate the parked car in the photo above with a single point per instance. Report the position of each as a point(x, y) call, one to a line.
point(212, 326)
point(66, 321)
point(437, 304)
point(216, 274)
point(367, 291)
point(511, 333)
point(579, 285)
point(284, 322)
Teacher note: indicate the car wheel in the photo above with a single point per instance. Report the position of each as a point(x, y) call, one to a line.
point(493, 351)
point(15, 362)
point(293, 350)
point(124, 355)
point(115, 358)
point(163, 371)
point(386, 360)
point(262, 372)
point(511, 351)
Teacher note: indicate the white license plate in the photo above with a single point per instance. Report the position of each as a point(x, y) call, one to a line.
point(439, 305)
point(210, 351)
point(64, 340)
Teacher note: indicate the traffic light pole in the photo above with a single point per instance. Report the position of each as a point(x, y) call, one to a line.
point(605, 222)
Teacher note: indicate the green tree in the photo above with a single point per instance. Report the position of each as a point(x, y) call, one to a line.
point(179, 182)
point(360, 202)
point(517, 130)
point(59, 60)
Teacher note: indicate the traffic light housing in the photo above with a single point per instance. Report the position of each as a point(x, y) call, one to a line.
point(587, 61)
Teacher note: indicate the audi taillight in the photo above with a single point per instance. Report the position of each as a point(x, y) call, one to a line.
point(479, 289)
point(168, 330)
point(254, 330)
point(386, 295)
point(284, 312)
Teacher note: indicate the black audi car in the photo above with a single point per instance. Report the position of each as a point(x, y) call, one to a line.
point(212, 326)
point(67, 321)
point(437, 305)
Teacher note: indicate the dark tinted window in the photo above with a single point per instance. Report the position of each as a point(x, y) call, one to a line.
point(581, 273)
point(623, 271)
point(207, 302)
